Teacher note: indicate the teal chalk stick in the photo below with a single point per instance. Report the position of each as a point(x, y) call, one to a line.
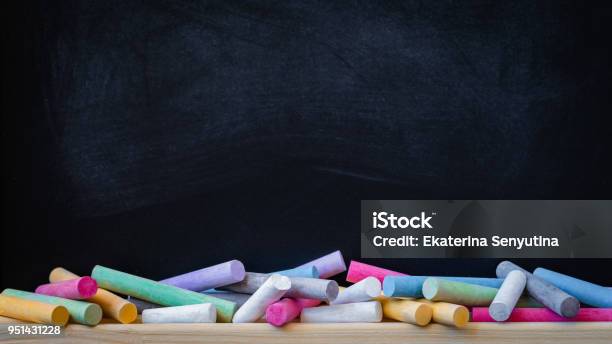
point(159, 293)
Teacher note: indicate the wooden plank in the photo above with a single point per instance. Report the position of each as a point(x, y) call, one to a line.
point(376, 333)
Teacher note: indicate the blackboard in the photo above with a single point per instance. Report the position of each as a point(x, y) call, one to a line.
point(164, 136)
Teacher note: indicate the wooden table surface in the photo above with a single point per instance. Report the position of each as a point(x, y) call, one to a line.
point(379, 333)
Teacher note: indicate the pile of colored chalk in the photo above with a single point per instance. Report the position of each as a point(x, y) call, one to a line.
point(226, 293)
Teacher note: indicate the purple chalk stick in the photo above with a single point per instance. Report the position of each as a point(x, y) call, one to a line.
point(211, 277)
point(329, 265)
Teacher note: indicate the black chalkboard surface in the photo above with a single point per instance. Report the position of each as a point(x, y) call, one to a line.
point(170, 135)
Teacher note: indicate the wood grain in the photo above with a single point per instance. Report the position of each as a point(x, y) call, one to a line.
point(379, 333)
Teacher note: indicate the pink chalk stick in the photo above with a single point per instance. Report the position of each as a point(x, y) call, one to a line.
point(481, 314)
point(285, 310)
point(75, 289)
point(358, 271)
point(305, 303)
point(281, 312)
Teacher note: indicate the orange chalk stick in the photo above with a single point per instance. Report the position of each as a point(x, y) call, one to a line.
point(34, 311)
point(112, 305)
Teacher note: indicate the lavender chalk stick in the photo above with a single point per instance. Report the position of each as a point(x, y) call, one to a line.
point(328, 265)
point(550, 296)
point(211, 277)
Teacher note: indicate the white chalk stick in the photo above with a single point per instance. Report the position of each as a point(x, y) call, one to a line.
point(198, 313)
point(270, 291)
point(251, 282)
point(370, 311)
point(313, 288)
point(301, 287)
point(508, 295)
point(364, 290)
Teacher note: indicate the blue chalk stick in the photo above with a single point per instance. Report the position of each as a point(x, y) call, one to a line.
point(587, 292)
point(306, 271)
point(412, 286)
point(406, 286)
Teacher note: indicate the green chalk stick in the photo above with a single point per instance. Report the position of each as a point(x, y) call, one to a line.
point(85, 313)
point(528, 302)
point(158, 293)
point(437, 289)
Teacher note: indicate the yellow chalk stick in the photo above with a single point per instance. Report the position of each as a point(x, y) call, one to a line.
point(112, 305)
point(409, 311)
point(34, 311)
point(448, 313)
